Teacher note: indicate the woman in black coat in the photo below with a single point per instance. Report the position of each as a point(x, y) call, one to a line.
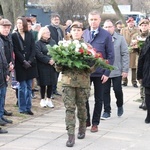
point(143, 74)
point(46, 71)
point(25, 64)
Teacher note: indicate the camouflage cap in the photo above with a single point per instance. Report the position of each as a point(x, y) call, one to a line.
point(5, 22)
point(143, 21)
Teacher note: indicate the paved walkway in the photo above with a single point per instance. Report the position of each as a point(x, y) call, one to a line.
point(47, 132)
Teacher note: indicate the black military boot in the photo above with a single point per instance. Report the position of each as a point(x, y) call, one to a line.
point(147, 119)
point(81, 132)
point(143, 105)
point(71, 140)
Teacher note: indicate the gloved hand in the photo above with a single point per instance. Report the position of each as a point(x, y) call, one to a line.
point(26, 64)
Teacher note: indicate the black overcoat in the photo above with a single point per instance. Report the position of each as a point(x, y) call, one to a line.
point(143, 69)
point(27, 53)
point(46, 72)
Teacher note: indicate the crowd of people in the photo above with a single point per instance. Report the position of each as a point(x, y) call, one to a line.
point(24, 52)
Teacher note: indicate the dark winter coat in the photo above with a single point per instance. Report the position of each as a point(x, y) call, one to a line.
point(3, 66)
point(8, 47)
point(27, 53)
point(46, 72)
point(54, 33)
point(143, 70)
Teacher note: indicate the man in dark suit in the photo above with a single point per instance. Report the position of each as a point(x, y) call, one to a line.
point(101, 40)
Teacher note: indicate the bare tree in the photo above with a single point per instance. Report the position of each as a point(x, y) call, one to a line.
point(117, 10)
point(12, 9)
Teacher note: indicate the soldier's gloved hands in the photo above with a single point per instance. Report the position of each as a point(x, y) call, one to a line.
point(26, 64)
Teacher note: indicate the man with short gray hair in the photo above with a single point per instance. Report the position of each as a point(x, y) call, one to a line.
point(101, 40)
point(121, 65)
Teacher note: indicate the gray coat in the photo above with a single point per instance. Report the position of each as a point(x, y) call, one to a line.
point(121, 62)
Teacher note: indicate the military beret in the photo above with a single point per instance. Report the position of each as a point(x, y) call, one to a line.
point(130, 19)
point(5, 22)
point(143, 21)
point(77, 24)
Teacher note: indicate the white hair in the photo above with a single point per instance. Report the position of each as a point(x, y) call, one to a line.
point(41, 31)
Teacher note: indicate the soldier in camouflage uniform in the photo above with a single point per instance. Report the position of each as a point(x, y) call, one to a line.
point(76, 91)
point(141, 37)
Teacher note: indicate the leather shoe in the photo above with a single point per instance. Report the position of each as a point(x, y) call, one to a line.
point(124, 84)
point(30, 112)
point(24, 112)
point(88, 124)
point(6, 120)
point(2, 122)
point(120, 111)
point(94, 128)
point(135, 85)
point(27, 112)
point(2, 131)
point(6, 113)
point(56, 93)
point(147, 120)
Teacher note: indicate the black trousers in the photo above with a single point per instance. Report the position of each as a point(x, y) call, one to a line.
point(98, 95)
point(46, 89)
point(147, 101)
point(116, 81)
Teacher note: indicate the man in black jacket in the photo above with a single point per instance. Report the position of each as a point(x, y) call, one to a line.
point(57, 35)
point(4, 77)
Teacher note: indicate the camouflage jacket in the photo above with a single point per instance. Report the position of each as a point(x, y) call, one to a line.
point(75, 77)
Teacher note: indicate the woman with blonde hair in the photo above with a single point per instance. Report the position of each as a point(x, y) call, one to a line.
point(45, 63)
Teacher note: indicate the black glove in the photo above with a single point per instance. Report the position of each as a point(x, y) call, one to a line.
point(26, 64)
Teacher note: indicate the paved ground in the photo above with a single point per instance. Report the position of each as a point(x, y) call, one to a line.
point(47, 132)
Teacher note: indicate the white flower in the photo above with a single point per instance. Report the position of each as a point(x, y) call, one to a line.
point(69, 42)
point(76, 49)
point(65, 44)
point(76, 42)
point(139, 38)
point(78, 45)
point(84, 45)
point(60, 42)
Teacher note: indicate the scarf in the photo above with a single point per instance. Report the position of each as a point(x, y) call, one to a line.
point(59, 31)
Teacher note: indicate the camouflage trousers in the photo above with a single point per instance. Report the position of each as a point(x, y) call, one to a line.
point(75, 97)
point(142, 91)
